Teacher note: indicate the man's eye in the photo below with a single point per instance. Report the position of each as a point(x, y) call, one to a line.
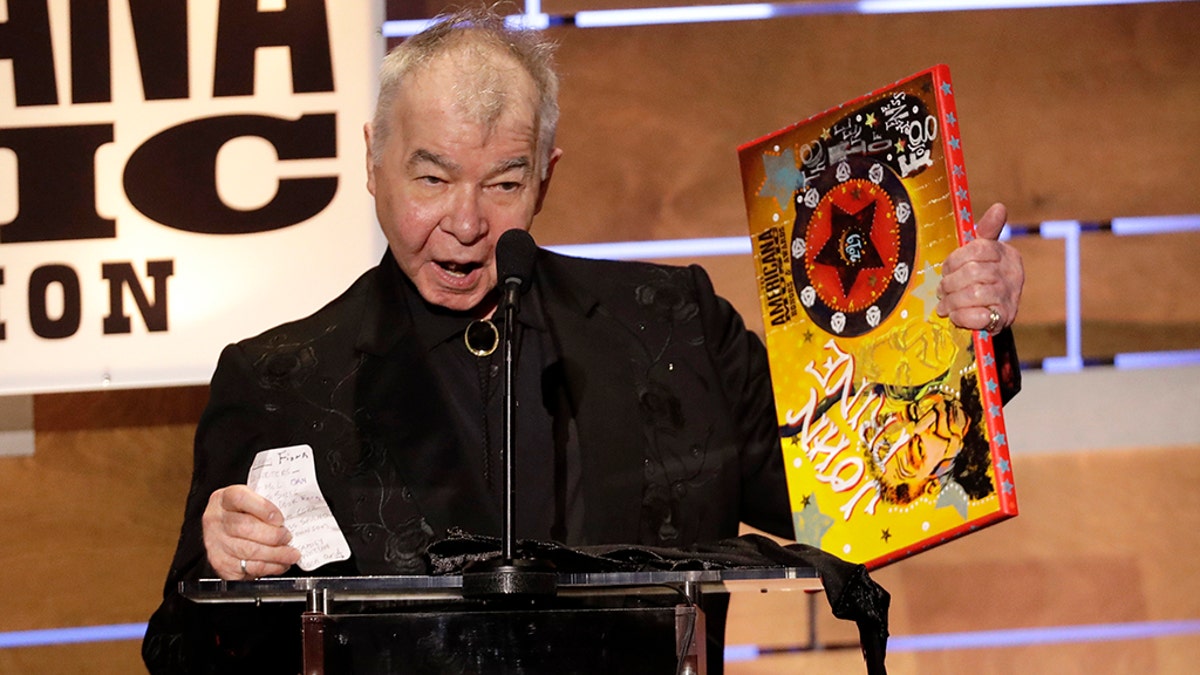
point(431, 180)
point(508, 186)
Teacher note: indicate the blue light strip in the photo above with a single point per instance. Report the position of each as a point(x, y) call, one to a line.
point(1014, 637)
point(1155, 225)
point(1173, 359)
point(905, 6)
point(609, 18)
point(400, 28)
point(658, 250)
point(537, 21)
point(1022, 637)
point(62, 636)
point(735, 653)
point(1068, 231)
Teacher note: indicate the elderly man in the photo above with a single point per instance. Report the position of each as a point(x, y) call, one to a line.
point(646, 410)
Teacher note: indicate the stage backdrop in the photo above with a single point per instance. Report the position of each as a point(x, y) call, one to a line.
point(175, 175)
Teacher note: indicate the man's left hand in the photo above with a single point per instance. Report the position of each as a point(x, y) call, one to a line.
point(982, 281)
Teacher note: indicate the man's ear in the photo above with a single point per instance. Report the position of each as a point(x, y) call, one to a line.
point(544, 187)
point(370, 159)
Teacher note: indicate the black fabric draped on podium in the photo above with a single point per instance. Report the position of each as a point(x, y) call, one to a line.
point(852, 594)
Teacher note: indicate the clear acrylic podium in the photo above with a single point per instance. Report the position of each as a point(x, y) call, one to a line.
point(612, 622)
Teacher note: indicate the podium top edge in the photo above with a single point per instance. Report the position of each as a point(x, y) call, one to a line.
point(449, 587)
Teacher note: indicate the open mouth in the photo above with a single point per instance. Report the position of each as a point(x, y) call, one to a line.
point(458, 269)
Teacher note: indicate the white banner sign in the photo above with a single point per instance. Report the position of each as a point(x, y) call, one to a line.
point(175, 175)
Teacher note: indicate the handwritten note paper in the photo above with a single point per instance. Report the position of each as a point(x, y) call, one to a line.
point(288, 478)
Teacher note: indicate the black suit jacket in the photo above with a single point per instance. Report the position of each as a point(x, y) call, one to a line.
point(669, 395)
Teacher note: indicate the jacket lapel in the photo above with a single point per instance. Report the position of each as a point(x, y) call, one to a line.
point(401, 416)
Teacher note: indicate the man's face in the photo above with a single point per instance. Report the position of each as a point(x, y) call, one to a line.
point(922, 451)
point(936, 439)
point(448, 183)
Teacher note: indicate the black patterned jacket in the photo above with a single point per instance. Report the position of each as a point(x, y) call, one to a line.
point(669, 393)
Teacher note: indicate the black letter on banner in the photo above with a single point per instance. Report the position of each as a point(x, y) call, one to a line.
point(120, 275)
point(160, 31)
point(65, 325)
point(91, 67)
point(25, 38)
point(241, 29)
point(172, 176)
point(1, 320)
point(56, 183)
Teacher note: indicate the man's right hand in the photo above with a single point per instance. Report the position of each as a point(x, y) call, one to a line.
point(244, 535)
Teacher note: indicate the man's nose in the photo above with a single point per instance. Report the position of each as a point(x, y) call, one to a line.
point(466, 221)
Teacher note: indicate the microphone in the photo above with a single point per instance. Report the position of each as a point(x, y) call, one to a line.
point(515, 255)
point(508, 575)
point(515, 252)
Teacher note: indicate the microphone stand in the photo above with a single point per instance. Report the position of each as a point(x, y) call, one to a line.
point(508, 575)
point(509, 537)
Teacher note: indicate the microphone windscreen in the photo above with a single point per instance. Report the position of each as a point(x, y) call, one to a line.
point(515, 253)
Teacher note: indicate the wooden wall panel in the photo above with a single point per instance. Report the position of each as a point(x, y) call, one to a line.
point(88, 524)
point(1103, 537)
point(1144, 279)
point(1085, 112)
point(95, 658)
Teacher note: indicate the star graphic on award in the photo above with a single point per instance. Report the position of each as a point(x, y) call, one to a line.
point(811, 524)
point(856, 245)
point(849, 249)
point(783, 178)
point(926, 291)
point(954, 496)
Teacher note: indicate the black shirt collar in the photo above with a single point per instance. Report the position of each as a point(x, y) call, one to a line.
point(435, 325)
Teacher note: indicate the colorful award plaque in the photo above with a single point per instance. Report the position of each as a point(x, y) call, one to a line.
point(890, 416)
